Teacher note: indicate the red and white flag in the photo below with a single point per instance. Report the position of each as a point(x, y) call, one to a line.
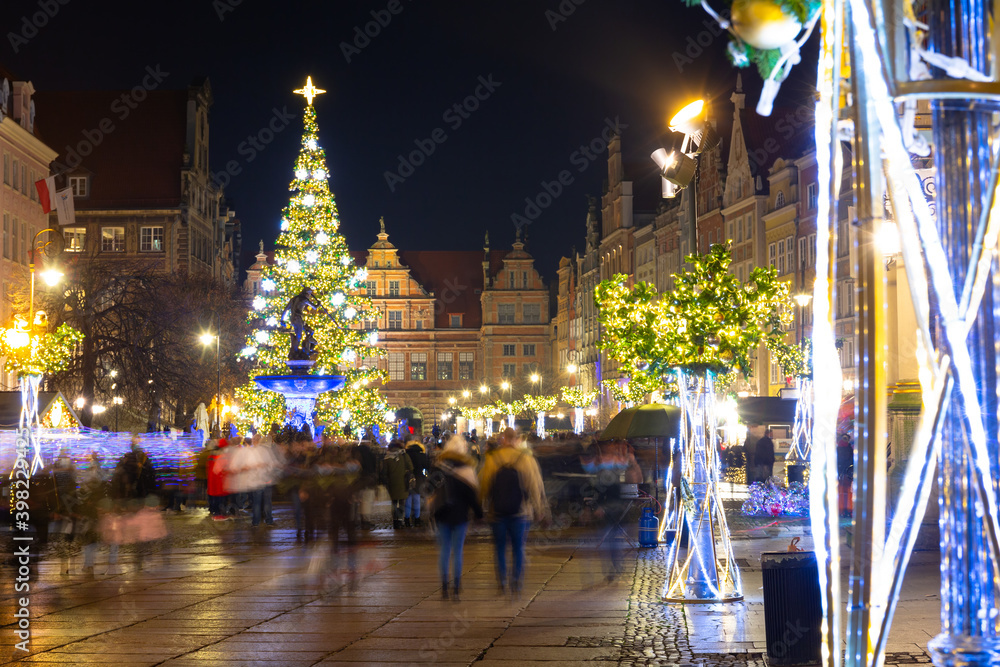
point(46, 192)
point(60, 201)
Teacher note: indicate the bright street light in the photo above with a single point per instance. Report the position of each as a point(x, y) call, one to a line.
point(97, 409)
point(465, 393)
point(51, 276)
point(80, 402)
point(803, 299)
point(451, 400)
point(505, 385)
point(535, 377)
point(483, 389)
point(571, 368)
point(206, 338)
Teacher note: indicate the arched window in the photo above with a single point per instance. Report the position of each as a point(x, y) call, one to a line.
point(779, 199)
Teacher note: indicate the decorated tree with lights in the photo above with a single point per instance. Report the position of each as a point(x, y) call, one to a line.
point(708, 326)
point(312, 253)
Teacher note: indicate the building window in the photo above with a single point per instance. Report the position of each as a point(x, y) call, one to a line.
point(510, 280)
point(524, 280)
point(772, 258)
point(505, 313)
point(444, 365)
point(781, 257)
point(24, 180)
point(112, 239)
point(24, 242)
point(812, 250)
point(393, 288)
point(779, 200)
point(418, 365)
point(843, 239)
point(812, 196)
point(532, 313)
point(151, 239)
point(465, 364)
point(396, 365)
point(6, 235)
point(789, 253)
point(370, 288)
point(75, 238)
point(6, 169)
point(775, 372)
point(749, 227)
point(419, 324)
point(528, 350)
point(456, 321)
point(509, 350)
point(509, 370)
point(395, 319)
point(32, 192)
point(17, 177)
point(13, 243)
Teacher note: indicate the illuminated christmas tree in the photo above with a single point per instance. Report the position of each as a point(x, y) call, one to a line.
point(312, 253)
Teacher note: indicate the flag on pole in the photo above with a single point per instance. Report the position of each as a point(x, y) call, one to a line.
point(46, 192)
point(64, 207)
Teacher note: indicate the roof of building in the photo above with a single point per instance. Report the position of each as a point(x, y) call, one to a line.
point(134, 155)
point(456, 278)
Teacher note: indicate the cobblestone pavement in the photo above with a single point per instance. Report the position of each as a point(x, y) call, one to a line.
point(223, 594)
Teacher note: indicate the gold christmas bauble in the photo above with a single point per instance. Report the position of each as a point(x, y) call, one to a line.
point(764, 24)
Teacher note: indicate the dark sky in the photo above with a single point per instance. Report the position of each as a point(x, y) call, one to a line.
point(608, 59)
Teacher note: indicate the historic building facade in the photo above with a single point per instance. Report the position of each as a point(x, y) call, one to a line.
point(25, 159)
point(139, 171)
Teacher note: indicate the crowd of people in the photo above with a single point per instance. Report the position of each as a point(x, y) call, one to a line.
point(331, 485)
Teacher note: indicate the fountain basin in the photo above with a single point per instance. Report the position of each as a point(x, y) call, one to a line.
point(300, 392)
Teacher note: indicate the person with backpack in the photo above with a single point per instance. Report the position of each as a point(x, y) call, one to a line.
point(397, 471)
point(454, 498)
point(511, 489)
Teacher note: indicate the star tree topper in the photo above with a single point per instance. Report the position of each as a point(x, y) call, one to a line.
point(309, 91)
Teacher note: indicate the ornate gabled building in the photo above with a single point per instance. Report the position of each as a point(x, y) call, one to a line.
point(451, 322)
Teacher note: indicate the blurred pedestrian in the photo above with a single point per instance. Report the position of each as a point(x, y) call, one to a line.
point(455, 498)
point(397, 470)
point(368, 480)
point(763, 457)
point(216, 475)
point(511, 490)
point(420, 461)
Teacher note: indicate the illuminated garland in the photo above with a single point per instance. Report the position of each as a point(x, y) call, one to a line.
point(37, 353)
point(312, 253)
point(767, 499)
point(541, 403)
point(578, 397)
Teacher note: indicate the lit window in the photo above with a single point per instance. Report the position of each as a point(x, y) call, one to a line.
point(393, 288)
point(396, 365)
point(465, 364)
point(445, 360)
point(418, 365)
point(370, 288)
point(779, 199)
point(151, 239)
point(75, 238)
point(112, 239)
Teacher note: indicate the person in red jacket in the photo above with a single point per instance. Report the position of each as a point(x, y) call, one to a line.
point(216, 471)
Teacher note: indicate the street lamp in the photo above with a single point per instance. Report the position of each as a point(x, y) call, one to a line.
point(535, 379)
point(206, 340)
point(803, 301)
point(571, 369)
point(465, 393)
point(117, 400)
point(483, 389)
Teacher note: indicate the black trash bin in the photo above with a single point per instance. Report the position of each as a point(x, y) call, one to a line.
point(792, 607)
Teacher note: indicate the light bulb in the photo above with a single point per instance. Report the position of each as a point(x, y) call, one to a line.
point(260, 336)
point(258, 302)
point(319, 174)
point(309, 200)
point(361, 275)
point(345, 260)
point(349, 355)
point(293, 266)
point(311, 144)
point(249, 351)
point(267, 284)
point(373, 338)
point(272, 321)
point(322, 238)
point(337, 298)
point(311, 255)
point(301, 174)
point(284, 225)
point(349, 312)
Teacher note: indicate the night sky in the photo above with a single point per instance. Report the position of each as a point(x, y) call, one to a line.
point(555, 80)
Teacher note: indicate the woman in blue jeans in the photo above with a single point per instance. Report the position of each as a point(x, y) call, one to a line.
point(456, 497)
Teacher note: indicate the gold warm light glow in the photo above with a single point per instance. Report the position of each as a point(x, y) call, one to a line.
point(206, 338)
point(803, 299)
point(571, 368)
point(505, 385)
point(309, 91)
point(684, 120)
point(17, 335)
point(483, 389)
point(535, 377)
point(51, 276)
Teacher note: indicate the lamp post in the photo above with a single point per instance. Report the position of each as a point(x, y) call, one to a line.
point(118, 403)
point(206, 339)
point(535, 379)
point(803, 300)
